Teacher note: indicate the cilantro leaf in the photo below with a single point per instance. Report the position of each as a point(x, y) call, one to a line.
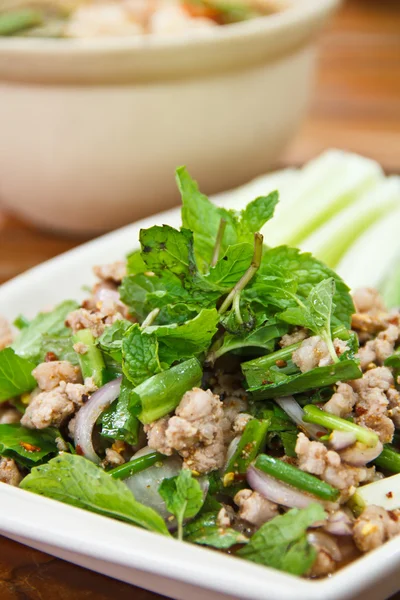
point(166, 248)
point(75, 480)
point(140, 355)
point(282, 542)
point(181, 341)
point(183, 497)
point(27, 446)
point(31, 343)
point(15, 375)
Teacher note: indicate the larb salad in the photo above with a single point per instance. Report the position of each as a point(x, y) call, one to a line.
point(217, 390)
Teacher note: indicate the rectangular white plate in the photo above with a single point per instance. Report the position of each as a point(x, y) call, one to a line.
point(133, 555)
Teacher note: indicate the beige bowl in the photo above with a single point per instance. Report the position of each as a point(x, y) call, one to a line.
point(92, 130)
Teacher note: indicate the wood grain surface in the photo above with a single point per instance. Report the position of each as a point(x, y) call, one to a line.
point(357, 107)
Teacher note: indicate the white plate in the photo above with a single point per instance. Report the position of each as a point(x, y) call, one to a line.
point(133, 555)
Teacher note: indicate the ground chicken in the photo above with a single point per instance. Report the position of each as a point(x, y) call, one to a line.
point(50, 374)
point(8, 415)
point(240, 422)
point(315, 458)
point(342, 402)
point(393, 396)
point(195, 432)
point(379, 349)
point(233, 408)
point(314, 352)
point(6, 336)
point(225, 516)
point(48, 409)
point(254, 508)
point(112, 458)
point(114, 272)
point(9, 472)
point(323, 565)
point(371, 408)
point(298, 335)
point(94, 320)
point(79, 393)
point(375, 526)
point(368, 300)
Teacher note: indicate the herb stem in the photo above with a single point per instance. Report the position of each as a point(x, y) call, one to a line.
point(293, 476)
point(246, 278)
point(136, 465)
point(313, 414)
point(331, 348)
point(151, 317)
point(218, 242)
point(236, 308)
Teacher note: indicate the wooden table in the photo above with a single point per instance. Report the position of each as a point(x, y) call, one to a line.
point(357, 107)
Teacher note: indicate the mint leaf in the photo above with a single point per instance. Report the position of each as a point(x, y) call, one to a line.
point(111, 340)
point(183, 497)
point(15, 375)
point(119, 421)
point(140, 355)
point(135, 263)
point(27, 446)
point(264, 337)
point(30, 343)
point(77, 481)
point(307, 271)
point(231, 267)
point(258, 212)
point(205, 531)
point(166, 248)
point(282, 542)
point(191, 338)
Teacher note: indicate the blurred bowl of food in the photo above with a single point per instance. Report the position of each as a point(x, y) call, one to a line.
point(100, 103)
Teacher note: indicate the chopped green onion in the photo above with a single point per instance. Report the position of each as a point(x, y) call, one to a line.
point(313, 414)
point(136, 465)
point(389, 459)
point(293, 476)
point(91, 362)
point(251, 441)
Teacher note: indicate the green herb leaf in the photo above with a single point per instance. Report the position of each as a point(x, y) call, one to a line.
point(75, 480)
point(31, 342)
point(264, 337)
point(166, 248)
point(205, 531)
point(231, 267)
point(119, 421)
point(282, 542)
point(27, 446)
point(180, 342)
point(111, 340)
point(258, 212)
point(15, 375)
point(183, 497)
point(140, 355)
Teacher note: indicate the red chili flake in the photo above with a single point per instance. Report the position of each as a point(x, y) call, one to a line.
point(29, 447)
point(320, 434)
point(281, 363)
point(79, 450)
point(360, 410)
point(389, 495)
point(393, 515)
point(50, 357)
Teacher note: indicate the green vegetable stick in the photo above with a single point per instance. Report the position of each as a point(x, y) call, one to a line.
point(136, 465)
point(162, 393)
point(91, 363)
point(295, 477)
point(313, 414)
point(389, 459)
point(251, 441)
point(19, 20)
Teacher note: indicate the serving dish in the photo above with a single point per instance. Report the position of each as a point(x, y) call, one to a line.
point(133, 555)
point(93, 121)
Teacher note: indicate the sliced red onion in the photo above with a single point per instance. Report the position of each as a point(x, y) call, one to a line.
point(339, 440)
point(277, 491)
point(339, 523)
point(323, 541)
point(359, 454)
point(89, 413)
point(144, 485)
point(296, 413)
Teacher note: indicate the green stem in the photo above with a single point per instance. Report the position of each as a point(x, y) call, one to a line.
point(246, 278)
point(218, 242)
point(136, 465)
point(328, 340)
point(236, 308)
point(293, 476)
point(389, 459)
point(250, 444)
point(91, 362)
point(313, 414)
point(151, 317)
point(19, 20)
